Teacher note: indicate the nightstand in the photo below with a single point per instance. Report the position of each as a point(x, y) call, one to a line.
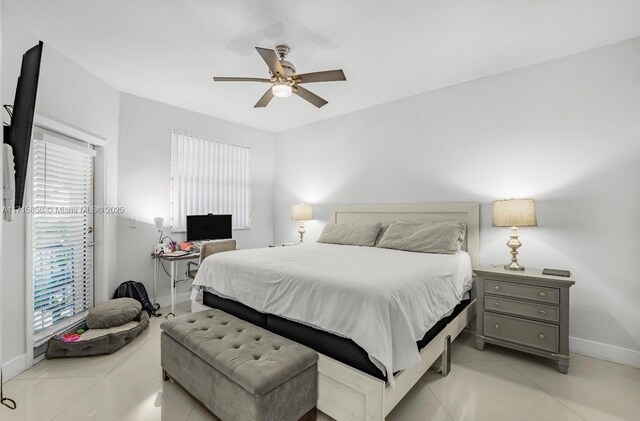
point(524, 310)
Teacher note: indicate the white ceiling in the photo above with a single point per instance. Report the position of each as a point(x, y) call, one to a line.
point(168, 50)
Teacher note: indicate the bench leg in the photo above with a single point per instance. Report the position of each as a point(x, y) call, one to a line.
point(310, 416)
point(165, 376)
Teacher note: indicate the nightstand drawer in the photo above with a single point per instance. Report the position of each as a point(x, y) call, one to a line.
point(528, 292)
point(521, 308)
point(524, 332)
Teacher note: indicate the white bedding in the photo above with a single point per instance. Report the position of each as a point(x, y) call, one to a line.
point(384, 300)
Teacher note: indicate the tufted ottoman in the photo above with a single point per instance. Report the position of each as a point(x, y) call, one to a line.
point(240, 371)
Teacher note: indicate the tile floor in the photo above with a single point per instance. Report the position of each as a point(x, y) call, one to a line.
point(495, 384)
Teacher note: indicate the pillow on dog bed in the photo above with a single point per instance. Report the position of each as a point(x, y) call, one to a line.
point(113, 313)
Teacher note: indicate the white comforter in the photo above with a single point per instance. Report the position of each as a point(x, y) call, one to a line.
point(384, 300)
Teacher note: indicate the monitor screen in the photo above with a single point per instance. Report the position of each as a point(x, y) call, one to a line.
point(208, 227)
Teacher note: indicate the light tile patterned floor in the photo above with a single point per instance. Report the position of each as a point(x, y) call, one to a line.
point(495, 384)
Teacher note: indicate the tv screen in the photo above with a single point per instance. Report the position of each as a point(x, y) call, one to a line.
point(19, 134)
point(208, 227)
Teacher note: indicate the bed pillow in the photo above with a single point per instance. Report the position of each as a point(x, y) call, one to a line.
point(350, 234)
point(113, 313)
point(436, 237)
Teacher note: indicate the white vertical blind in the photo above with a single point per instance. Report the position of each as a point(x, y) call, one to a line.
point(61, 235)
point(209, 177)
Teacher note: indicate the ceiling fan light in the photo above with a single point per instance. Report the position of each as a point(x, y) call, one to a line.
point(281, 90)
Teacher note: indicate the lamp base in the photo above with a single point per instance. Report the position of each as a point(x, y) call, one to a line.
point(301, 231)
point(514, 244)
point(513, 266)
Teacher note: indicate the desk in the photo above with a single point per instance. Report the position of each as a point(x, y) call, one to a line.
point(173, 272)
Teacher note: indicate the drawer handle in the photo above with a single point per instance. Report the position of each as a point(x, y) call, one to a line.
point(497, 304)
point(543, 294)
point(543, 312)
point(497, 326)
point(541, 336)
point(497, 287)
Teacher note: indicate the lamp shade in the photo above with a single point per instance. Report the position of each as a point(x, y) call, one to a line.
point(514, 213)
point(302, 212)
point(159, 222)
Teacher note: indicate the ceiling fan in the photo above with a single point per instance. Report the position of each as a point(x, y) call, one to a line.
point(284, 79)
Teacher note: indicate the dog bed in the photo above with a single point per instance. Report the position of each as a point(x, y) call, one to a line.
point(98, 341)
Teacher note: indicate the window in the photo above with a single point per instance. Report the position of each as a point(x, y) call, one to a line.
point(209, 177)
point(62, 234)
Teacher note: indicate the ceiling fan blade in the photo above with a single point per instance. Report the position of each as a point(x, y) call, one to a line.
point(264, 101)
point(240, 79)
point(327, 76)
point(309, 96)
point(271, 58)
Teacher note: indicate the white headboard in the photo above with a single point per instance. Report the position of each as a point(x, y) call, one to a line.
point(465, 212)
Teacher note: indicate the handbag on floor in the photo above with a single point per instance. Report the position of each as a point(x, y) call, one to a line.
point(137, 291)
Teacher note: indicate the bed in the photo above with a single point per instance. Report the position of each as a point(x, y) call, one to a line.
point(379, 318)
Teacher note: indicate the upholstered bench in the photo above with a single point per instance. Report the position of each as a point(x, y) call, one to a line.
point(239, 371)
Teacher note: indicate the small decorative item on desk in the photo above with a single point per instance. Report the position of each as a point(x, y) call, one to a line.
point(187, 246)
point(173, 245)
point(514, 213)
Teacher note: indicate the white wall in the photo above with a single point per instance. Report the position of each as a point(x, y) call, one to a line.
point(566, 133)
point(68, 93)
point(1, 172)
point(144, 166)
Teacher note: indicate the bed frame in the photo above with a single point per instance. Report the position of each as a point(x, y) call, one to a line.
point(347, 394)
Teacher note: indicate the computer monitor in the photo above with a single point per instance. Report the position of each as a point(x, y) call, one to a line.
point(208, 227)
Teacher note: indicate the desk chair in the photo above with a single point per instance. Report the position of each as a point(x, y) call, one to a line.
point(207, 249)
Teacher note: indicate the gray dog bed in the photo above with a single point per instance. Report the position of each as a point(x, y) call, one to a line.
point(99, 341)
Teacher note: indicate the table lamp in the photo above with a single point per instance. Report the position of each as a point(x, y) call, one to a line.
point(302, 212)
point(514, 213)
point(159, 223)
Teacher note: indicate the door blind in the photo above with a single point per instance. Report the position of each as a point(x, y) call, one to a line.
point(62, 236)
point(209, 177)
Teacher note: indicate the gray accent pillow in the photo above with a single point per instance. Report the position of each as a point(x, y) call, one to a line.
point(113, 313)
point(350, 234)
point(435, 237)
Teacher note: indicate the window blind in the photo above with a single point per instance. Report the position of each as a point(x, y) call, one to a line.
point(209, 177)
point(61, 231)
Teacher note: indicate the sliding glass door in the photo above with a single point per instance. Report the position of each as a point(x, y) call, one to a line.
point(62, 233)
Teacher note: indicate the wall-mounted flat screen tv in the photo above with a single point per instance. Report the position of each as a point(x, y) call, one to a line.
point(18, 133)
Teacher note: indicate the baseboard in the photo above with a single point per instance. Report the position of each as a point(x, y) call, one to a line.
point(15, 366)
point(605, 352)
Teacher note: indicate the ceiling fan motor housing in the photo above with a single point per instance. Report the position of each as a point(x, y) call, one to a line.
point(288, 67)
point(283, 52)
